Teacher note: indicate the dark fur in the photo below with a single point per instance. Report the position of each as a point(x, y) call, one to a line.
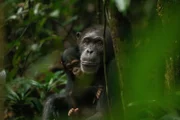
point(80, 95)
point(84, 97)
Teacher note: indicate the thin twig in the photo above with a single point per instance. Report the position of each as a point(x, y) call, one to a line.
point(99, 11)
point(104, 60)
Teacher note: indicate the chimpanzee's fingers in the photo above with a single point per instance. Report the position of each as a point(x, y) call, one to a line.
point(76, 111)
point(70, 111)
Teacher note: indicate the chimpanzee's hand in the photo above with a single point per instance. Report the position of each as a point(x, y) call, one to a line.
point(73, 112)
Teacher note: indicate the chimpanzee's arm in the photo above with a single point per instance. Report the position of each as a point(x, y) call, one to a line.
point(55, 107)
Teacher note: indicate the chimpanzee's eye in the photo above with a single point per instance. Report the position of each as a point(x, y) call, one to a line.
point(86, 40)
point(75, 63)
point(68, 65)
point(98, 41)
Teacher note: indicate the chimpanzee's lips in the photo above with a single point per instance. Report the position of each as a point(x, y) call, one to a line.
point(89, 67)
point(87, 63)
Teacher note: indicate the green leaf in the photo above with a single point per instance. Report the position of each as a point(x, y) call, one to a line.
point(122, 5)
point(11, 94)
point(55, 13)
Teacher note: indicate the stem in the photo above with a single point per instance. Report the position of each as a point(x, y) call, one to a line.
point(104, 60)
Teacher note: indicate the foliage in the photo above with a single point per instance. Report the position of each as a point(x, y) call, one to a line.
point(122, 5)
point(35, 28)
point(31, 28)
point(22, 99)
point(54, 82)
point(142, 59)
point(27, 96)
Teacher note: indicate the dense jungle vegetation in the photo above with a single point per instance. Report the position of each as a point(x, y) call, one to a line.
point(146, 37)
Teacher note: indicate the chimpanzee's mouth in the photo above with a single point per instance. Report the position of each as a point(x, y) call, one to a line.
point(89, 67)
point(90, 64)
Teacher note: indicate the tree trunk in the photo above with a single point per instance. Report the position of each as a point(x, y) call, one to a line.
point(2, 73)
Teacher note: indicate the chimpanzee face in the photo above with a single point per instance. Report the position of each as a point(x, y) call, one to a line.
point(91, 51)
point(73, 66)
point(71, 60)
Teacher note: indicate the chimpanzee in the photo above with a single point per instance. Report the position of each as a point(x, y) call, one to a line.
point(82, 90)
point(82, 93)
point(57, 105)
point(86, 89)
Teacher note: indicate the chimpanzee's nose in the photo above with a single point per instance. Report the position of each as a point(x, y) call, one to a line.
point(89, 51)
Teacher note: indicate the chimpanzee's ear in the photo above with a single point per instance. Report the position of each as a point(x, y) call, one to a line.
point(78, 35)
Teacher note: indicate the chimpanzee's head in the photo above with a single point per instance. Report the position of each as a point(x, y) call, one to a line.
point(91, 46)
point(70, 59)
